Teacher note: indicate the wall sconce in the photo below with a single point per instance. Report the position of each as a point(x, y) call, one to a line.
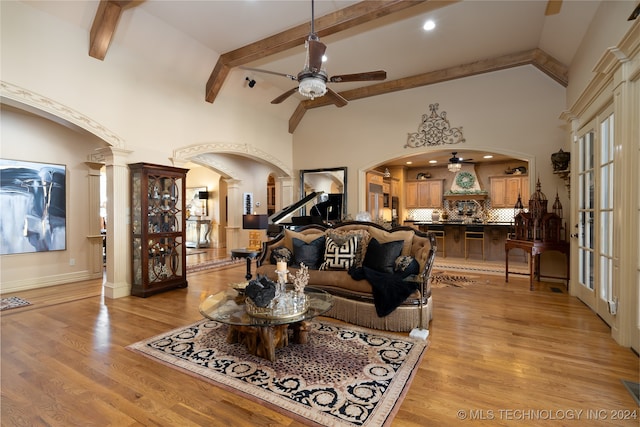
point(560, 161)
point(255, 223)
point(251, 83)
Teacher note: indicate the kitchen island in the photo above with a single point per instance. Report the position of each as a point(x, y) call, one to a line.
point(495, 236)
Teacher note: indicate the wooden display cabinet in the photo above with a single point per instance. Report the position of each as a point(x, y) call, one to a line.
point(158, 250)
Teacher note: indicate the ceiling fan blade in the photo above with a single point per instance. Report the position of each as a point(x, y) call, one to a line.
point(285, 95)
point(635, 13)
point(359, 77)
point(336, 98)
point(316, 51)
point(275, 73)
point(553, 7)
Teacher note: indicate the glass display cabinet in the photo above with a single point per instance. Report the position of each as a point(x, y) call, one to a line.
point(158, 250)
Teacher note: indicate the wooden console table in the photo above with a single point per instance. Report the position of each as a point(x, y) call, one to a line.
point(534, 249)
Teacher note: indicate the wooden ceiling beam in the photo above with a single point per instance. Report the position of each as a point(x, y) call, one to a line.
point(536, 57)
point(332, 23)
point(104, 26)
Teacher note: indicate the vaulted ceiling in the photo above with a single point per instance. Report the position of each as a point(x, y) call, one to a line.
point(470, 37)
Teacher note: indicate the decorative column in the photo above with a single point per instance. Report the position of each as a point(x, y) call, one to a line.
point(118, 282)
point(234, 208)
point(284, 192)
point(626, 260)
point(93, 209)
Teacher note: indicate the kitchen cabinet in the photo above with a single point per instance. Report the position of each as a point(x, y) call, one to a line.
point(424, 194)
point(506, 189)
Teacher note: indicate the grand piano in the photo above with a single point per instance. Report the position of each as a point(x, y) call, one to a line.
point(324, 209)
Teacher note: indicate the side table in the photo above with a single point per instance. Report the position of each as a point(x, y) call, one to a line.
point(249, 255)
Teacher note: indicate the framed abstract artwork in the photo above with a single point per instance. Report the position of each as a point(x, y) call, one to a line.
point(33, 217)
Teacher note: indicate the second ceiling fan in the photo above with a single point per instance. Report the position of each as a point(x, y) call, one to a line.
point(313, 79)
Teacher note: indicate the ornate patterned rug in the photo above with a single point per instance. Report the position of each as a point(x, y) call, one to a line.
point(442, 279)
point(12, 302)
point(495, 268)
point(343, 376)
point(218, 263)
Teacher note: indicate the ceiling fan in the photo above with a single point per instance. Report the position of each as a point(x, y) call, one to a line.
point(313, 79)
point(455, 162)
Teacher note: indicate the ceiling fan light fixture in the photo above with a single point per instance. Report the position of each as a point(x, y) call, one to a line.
point(312, 87)
point(454, 167)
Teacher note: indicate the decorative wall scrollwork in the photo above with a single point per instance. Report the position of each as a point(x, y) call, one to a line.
point(434, 130)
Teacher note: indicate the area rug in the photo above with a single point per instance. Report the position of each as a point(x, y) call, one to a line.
point(12, 302)
point(441, 279)
point(218, 263)
point(634, 389)
point(343, 376)
point(495, 268)
point(194, 252)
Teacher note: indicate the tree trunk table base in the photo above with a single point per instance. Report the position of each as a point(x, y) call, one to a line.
point(262, 341)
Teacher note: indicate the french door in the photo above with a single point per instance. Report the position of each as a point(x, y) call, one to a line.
point(595, 219)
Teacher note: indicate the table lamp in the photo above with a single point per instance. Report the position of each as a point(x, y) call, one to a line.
point(255, 223)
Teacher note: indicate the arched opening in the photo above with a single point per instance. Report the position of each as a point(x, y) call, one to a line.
point(424, 191)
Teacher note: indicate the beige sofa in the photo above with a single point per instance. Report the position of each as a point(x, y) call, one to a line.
point(354, 299)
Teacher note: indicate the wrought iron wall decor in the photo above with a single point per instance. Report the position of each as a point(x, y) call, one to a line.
point(434, 130)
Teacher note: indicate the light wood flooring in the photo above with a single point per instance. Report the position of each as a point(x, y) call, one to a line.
point(499, 355)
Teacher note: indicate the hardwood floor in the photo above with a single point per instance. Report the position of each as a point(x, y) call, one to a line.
point(498, 354)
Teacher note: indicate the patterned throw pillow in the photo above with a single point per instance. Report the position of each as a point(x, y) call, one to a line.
point(280, 254)
point(406, 265)
point(341, 256)
point(362, 236)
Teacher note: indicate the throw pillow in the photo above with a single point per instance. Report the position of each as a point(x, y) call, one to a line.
point(306, 236)
point(384, 236)
point(308, 253)
point(382, 256)
point(340, 257)
point(406, 265)
point(341, 236)
point(280, 254)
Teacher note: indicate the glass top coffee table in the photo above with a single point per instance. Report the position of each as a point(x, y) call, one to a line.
point(262, 336)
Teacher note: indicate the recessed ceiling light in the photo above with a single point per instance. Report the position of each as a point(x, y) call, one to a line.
point(433, 161)
point(429, 25)
point(488, 156)
point(324, 58)
point(409, 162)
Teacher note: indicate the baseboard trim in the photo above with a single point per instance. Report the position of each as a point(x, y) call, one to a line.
point(43, 282)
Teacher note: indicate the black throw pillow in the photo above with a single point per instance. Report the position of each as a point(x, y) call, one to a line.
point(311, 254)
point(382, 256)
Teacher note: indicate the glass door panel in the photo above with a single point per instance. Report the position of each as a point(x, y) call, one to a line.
point(595, 215)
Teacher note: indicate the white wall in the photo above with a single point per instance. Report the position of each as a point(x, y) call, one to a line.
point(30, 138)
point(607, 28)
point(142, 91)
point(513, 111)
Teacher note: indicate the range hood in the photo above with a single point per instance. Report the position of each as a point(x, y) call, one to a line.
point(465, 186)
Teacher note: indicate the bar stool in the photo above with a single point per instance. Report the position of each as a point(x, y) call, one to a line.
point(473, 233)
point(438, 232)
